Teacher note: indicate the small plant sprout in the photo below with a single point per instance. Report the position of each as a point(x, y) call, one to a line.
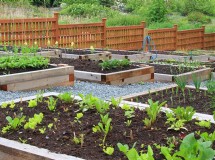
point(39, 96)
point(196, 81)
point(115, 102)
point(13, 124)
point(108, 150)
point(206, 124)
point(52, 103)
point(184, 113)
point(12, 105)
point(66, 97)
point(50, 125)
point(42, 130)
point(34, 121)
point(92, 50)
point(128, 122)
point(78, 117)
point(4, 105)
point(181, 82)
point(78, 140)
point(24, 141)
point(103, 126)
point(152, 111)
point(32, 103)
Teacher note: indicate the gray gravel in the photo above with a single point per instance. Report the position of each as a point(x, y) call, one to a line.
point(100, 90)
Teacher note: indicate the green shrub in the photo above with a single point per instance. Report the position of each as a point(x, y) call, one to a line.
point(84, 10)
point(124, 20)
point(157, 11)
point(198, 17)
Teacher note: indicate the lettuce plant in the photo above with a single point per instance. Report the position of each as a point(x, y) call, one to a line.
point(34, 121)
point(52, 103)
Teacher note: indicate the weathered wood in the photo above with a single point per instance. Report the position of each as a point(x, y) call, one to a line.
point(99, 55)
point(144, 73)
point(134, 57)
point(203, 74)
point(37, 79)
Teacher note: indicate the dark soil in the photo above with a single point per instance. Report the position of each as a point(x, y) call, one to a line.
point(169, 53)
point(125, 52)
point(59, 138)
point(87, 65)
point(12, 71)
point(76, 51)
point(170, 69)
point(201, 101)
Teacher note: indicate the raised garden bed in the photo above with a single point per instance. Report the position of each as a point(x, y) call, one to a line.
point(32, 72)
point(60, 131)
point(85, 54)
point(201, 101)
point(91, 71)
point(168, 73)
point(179, 56)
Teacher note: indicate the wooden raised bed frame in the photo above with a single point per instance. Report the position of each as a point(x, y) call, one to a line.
point(49, 53)
point(142, 74)
point(59, 76)
point(10, 149)
point(134, 57)
point(97, 55)
point(204, 74)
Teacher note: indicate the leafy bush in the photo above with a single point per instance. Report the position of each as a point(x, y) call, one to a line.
point(198, 17)
point(85, 10)
point(157, 11)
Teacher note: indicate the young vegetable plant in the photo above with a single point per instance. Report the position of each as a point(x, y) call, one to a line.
point(196, 81)
point(32, 103)
point(108, 150)
point(34, 121)
point(4, 105)
point(175, 124)
point(132, 154)
point(207, 137)
point(113, 64)
point(78, 140)
point(115, 102)
point(191, 148)
point(184, 113)
point(66, 97)
point(152, 111)
point(52, 103)
point(103, 126)
point(206, 124)
point(39, 96)
point(78, 117)
point(13, 124)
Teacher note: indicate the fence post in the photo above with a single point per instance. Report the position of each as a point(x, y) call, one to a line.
point(203, 37)
point(176, 36)
point(57, 35)
point(104, 36)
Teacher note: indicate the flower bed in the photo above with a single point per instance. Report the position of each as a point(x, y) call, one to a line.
point(92, 71)
point(85, 54)
point(91, 128)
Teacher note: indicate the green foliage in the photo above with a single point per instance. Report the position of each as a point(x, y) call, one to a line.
point(210, 86)
point(78, 117)
point(157, 11)
point(13, 124)
point(114, 64)
point(198, 17)
point(208, 137)
point(191, 148)
point(206, 124)
point(24, 61)
point(115, 102)
point(132, 154)
point(184, 113)
point(181, 81)
point(66, 97)
point(152, 111)
point(52, 103)
point(108, 150)
point(197, 81)
point(32, 103)
point(34, 121)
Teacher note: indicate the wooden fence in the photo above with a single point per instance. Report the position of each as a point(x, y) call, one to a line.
point(47, 31)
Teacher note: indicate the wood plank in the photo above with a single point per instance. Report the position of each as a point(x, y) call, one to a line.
point(127, 73)
point(40, 83)
point(33, 75)
point(163, 77)
point(91, 76)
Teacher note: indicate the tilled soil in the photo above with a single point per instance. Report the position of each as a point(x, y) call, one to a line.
point(170, 69)
point(87, 65)
point(59, 138)
point(201, 101)
point(76, 51)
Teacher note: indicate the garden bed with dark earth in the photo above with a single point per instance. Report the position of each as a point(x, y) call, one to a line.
point(20, 70)
point(173, 53)
point(201, 101)
point(11, 49)
point(170, 69)
point(125, 52)
point(87, 65)
point(76, 51)
point(59, 138)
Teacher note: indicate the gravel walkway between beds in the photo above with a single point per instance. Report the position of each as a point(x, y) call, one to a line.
point(100, 90)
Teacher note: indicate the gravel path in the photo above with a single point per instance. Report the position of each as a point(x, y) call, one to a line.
point(99, 90)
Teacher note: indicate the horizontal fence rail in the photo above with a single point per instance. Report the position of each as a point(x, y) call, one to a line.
point(47, 32)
